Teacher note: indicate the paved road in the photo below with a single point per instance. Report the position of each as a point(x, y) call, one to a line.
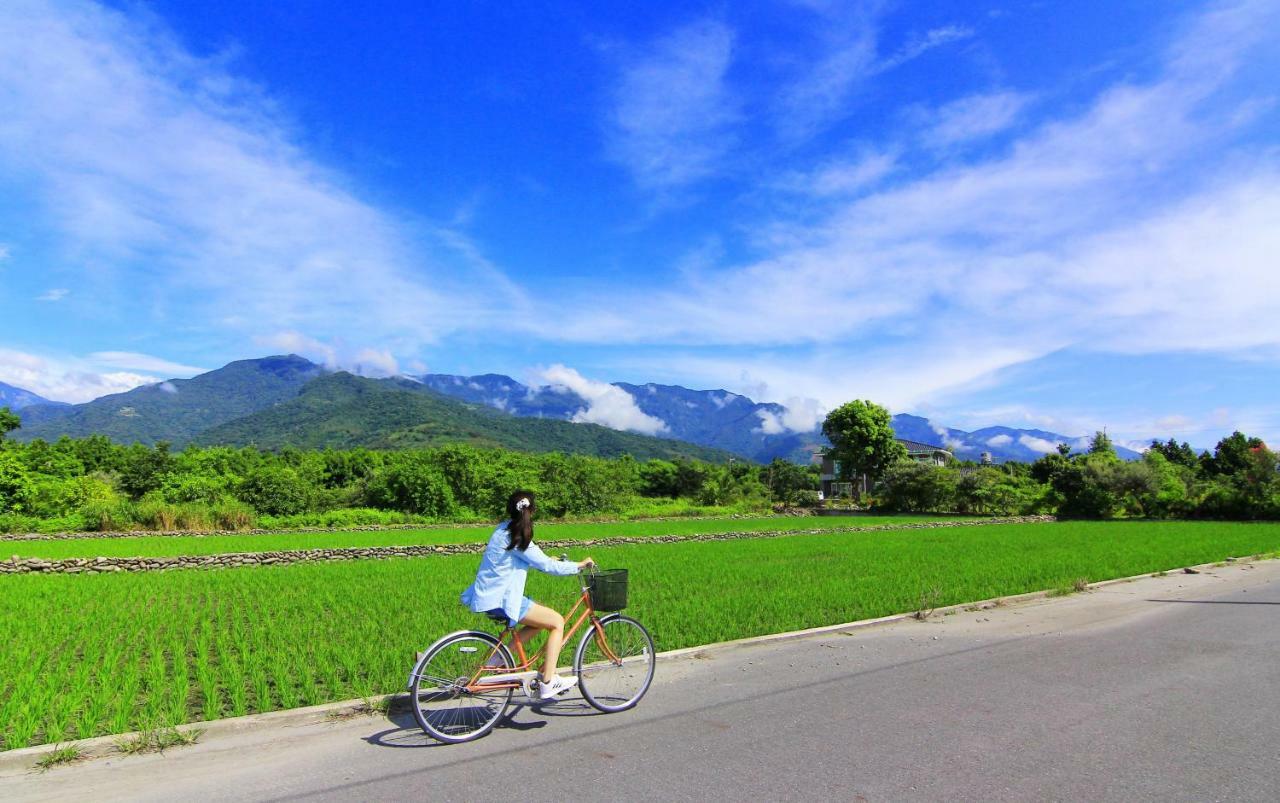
point(1165, 688)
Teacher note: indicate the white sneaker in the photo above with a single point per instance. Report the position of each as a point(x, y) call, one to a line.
point(558, 685)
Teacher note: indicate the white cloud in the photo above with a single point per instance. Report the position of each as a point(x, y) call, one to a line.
point(847, 57)
point(56, 294)
point(1127, 224)
point(919, 45)
point(999, 440)
point(144, 362)
point(947, 439)
point(65, 379)
point(374, 362)
point(672, 112)
point(4, 252)
point(770, 423)
point(168, 387)
point(1037, 444)
point(803, 414)
point(798, 415)
point(175, 184)
point(974, 117)
point(607, 404)
point(291, 342)
point(847, 177)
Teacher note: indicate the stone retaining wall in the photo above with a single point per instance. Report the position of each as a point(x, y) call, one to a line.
point(229, 560)
point(358, 528)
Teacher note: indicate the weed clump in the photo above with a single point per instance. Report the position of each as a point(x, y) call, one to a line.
point(58, 756)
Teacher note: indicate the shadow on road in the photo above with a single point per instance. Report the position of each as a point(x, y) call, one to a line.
point(408, 734)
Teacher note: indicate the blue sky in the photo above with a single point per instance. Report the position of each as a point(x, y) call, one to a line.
point(1032, 214)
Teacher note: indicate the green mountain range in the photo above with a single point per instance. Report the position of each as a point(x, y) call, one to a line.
point(288, 400)
point(343, 411)
point(176, 410)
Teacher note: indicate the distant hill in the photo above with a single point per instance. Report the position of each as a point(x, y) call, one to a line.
point(178, 409)
point(1003, 443)
point(715, 418)
point(17, 399)
point(271, 401)
point(343, 411)
point(732, 422)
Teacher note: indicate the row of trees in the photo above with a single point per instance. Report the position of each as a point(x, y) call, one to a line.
point(1239, 479)
point(94, 483)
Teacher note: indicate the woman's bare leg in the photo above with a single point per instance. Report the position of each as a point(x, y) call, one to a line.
point(524, 635)
point(543, 618)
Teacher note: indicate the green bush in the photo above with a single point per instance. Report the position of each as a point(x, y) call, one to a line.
point(275, 490)
point(203, 488)
point(913, 487)
point(411, 485)
point(109, 516)
point(230, 514)
point(153, 513)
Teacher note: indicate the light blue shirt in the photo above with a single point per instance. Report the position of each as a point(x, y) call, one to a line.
point(500, 580)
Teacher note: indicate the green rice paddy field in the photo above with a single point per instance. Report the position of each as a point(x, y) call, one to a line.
point(163, 546)
point(86, 655)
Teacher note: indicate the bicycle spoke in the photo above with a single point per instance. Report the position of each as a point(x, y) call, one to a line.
point(615, 671)
point(444, 705)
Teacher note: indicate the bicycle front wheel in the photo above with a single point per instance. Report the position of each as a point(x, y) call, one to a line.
point(615, 671)
point(446, 706)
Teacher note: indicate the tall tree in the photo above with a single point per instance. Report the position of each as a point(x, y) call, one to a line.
point(1100, 444)
point(9, 421)
point(862, 440)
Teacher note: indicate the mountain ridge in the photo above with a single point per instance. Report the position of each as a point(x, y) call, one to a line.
point(341, 410)
point(184, 410)
point(16, 398)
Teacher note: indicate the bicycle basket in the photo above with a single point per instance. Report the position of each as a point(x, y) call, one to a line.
point(608, 589)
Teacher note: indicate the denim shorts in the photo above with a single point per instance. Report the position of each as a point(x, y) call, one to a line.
point(500, 616)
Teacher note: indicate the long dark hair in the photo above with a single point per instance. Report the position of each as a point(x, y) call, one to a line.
point(520, 526)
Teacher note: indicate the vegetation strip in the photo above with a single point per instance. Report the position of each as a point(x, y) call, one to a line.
point(236, 559)
point(476, 529)
point(146, 546)
point(380, 705)
point(452, 525)
point(112, 653)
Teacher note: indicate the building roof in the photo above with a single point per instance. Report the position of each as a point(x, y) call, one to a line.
point(917, 446)
point(911, 446)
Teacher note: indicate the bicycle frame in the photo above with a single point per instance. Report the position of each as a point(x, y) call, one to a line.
point(487, 678)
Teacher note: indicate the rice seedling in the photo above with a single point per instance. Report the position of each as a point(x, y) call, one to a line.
point(103, 654)
point(167, 546)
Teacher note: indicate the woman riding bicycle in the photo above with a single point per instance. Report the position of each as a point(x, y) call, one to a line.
point(499, 587)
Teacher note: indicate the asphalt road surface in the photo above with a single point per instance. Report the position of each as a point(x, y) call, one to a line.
point(1166, 688)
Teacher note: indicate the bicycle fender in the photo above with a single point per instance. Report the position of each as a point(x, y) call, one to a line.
point(417, 666)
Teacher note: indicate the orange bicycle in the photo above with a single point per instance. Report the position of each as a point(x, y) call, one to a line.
point(463, 684)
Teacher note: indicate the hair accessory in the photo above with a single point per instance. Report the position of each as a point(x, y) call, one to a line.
point(522, 504)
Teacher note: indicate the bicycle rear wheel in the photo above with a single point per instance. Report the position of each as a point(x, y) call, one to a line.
point(615, 672)
point(442, 703)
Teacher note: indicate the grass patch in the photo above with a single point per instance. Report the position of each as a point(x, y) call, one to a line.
point(158, 740)
point(57, 757)
point(99, 654)
point(169, 546)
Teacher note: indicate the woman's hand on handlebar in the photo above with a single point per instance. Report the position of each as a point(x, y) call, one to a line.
point(586, 563)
